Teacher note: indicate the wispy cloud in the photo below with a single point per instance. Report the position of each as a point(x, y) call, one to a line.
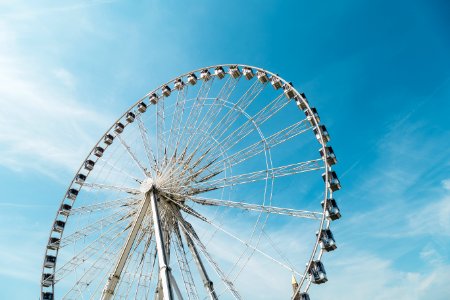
point(44, 127)
point(364, 275)
point(24, 10)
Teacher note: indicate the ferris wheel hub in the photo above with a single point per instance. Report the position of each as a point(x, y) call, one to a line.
point(146, 185)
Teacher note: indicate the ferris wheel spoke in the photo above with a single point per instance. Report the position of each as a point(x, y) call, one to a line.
point(270, 142)
point(287, 170)
point(183, 265)
point(259, 208)
point(182, 165)
point(128, 201)
point(217, 105)
point(119, 171)
point(98, 265)
point(249, 126)
point(177, 117)
point(145, 140)
point(182, 168)
point(192, 238)
point(133, 156)
point(114, 218)
point(105, 240)
point(248, 245)
point(256, 148)
point(214, 110)
point(101, 186)
point(160, 139)
point(129, 273)
point(233, 114)
point(253, 124)
point(230, 117)
point(193, 124)
point(145, 280)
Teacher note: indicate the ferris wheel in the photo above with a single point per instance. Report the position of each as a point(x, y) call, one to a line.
point(216, 184)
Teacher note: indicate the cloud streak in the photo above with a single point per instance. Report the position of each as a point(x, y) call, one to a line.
point(44, 127)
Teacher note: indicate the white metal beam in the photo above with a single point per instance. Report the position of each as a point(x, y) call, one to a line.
point(164, 270)
point(110, 287)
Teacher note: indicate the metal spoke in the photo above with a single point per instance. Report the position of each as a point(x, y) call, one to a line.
point(255, 149)
point(193, 119)
point(259, 208)
point(148, 150)
point(101, 186)
point(183, 265)
point(103, 241)
point(107, 255)
point(175, 129)
point(292, 169)
point(96, 226)
point(236, 110)
point(160, 139)
point(120, 171)
point(203, 218)
point(129, 201)
point(250, 125)
point(133, 156)
point(189, 232)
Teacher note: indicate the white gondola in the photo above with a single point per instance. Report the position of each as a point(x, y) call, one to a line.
point(53, 243)
point(153, 98)
point(142, 107)
point(276, 82)
point(333, 182)
point(89, 165)
point(248, 73)
point(98, 151)
point(58, 226)
point(192, 79)
point(47, 280)
point(332, 211)
point(108, 139)
point(179, 84)
point(317, 272)
point(80, 178)
point(130, 117)
point(50, 261)
point(234, 72)
point(262, 76)
point(47, 296)
point(328, 155)
point(72, 194)
point(312, 116)
point(289, 90)
point(205, 75)
point(166, 91)
point(321, 130)
point(301, 101)
point(304, 296)
point(119, 128)
point(326, 240)
point(219, 72)
point(65, 209)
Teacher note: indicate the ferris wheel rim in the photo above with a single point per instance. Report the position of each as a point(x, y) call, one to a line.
point(328, 193)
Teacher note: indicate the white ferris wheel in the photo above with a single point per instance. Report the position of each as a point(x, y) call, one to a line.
point(217, 184)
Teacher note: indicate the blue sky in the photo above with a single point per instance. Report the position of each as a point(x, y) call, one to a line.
point(379, 74)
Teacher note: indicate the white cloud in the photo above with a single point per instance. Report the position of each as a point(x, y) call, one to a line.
point(365, 276)
point(446, 184)
point(434, 218)
point(44, 126)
